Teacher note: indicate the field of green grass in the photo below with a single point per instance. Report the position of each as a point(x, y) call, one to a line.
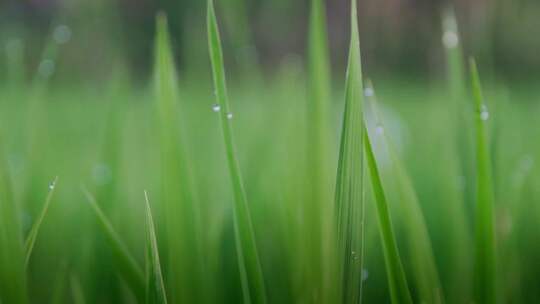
point(295, 186)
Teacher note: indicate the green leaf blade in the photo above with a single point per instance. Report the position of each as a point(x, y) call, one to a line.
point(418, 239)
point(155, 286)
point(126, 263)
point(349, 199)
point(253, 285)
point(485, 260)
point(397, 281)
point(184, 237)
point(32, 235)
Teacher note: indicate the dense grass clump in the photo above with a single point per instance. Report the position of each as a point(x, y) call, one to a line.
point(290, 187)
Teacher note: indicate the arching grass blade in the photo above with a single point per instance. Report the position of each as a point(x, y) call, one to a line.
point(418, 240)
point(397, 281)
point(248, 257)
point(127, 266)
point(32, 235)
point(155, 287)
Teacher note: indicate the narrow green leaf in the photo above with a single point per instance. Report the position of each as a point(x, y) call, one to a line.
point(457, 271)
point(32, 235)
point(248, 257)
point(127, 266)
point(485, 271)
point(155, 288)
point(185, 260)
point(350, 179)
point(12, 274)
point(397, 281)
point(317, 205)
point(419, 243)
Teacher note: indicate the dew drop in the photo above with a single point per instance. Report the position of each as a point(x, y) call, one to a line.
point(229, 116)
point(484, 113)
point(365, 274)
point(368, 92)
point(379, 129)
point(46, 68)
point(450, 39)
point(52, 185)
point(102, 174)
point(216, 107)
point(62, 34)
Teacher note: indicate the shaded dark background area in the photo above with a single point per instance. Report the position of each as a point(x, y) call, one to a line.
point(399, 37)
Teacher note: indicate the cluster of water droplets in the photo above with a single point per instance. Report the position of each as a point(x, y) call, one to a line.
point(217, 108)
point(484, 113)
point(52, 185)
point(61, 35)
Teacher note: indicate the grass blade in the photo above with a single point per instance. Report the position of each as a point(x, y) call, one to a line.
point(12, 275)
point(397, 282)
point(459, 157)
point(419, 243)
point(485, 272)
point(349, 181)
point(32, 235)
point(318, 203)
point(248, 257)
point(127, 266)
point(185, 259)
point(155, 288)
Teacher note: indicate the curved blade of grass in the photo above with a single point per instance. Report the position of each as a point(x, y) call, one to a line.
point(318, 203)
point(128, 267)
point(419, 243)
point(12, 275)
point(397, 281)
point(155, 288)
point(32, 235)
point(485, 272)
point(248, 257)
point(349, 182)
point(185, 255)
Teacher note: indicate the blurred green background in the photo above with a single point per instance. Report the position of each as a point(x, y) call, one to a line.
point(399, 37)
point(76, 101)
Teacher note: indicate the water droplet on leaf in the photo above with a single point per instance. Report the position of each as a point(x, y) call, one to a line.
point(46, 68)
point(62, 34)
point(450, 39)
